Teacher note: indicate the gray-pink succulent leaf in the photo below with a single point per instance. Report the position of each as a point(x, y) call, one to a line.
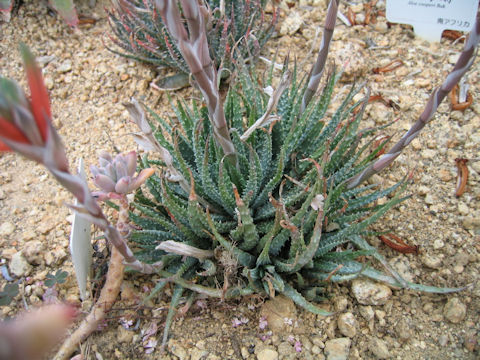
point(131, 162)
point(104, 182)
point(123, 185)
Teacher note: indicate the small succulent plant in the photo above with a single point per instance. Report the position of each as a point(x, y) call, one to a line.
point(235, 29)
point(115, 176)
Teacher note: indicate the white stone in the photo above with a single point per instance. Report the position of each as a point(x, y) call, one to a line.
point(19, 265)
point(337, 349)
point(267, 354)
point(369, 293)
point(291, 24)
point(7, 228)
point(347, 324)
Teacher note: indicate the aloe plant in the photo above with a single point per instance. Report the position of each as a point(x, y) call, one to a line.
point(235, 29)
point(264, 192)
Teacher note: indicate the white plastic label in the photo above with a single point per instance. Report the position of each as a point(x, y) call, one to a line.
point(430, 17)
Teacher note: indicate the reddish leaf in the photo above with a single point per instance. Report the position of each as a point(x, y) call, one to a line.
point(40, 102)
point(10, 132)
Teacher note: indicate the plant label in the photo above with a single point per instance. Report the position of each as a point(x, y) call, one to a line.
point(80, 244)
point(430, 17)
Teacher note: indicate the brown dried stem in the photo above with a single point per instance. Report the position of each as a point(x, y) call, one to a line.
point(461, 67)
point(109, 293)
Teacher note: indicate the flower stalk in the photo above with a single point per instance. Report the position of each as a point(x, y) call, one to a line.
point(193, 46)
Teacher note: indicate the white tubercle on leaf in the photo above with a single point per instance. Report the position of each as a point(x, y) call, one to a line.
point(80, 244)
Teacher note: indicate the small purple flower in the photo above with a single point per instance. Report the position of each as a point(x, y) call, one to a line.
point(126, 323)
point(291, 339)
point(236, 322)
point(288, 321)
point(150, 345)
point(266, 336)
point(262, 323)
point(298, 346)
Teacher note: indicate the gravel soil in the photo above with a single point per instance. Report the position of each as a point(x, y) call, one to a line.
point(87, 85)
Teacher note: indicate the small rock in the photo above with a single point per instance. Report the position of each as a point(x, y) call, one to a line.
point(291, 24)
point(279, 311)
point(369, 293)
point(379, 348)
point(285, 349)
point(463, 209)
point(337, 349)
point(179, 351)
point(403, 330)
point(471, 223)
point(428, 153)
point(124, 336)
point(33, 252)
point(7, 228)
point(46, 225)
point(29, 235)
point(381, 27)
point(367, 312)
point(267, 354)
point(431, 261)
point(55, 257)
point(341, 303)
point(454, 310)
point(443, 340)
point(65, 67)
point(438, 244)
point(347, 324)
point(470, 342)
point(429, 199)
point(197, 354)
point(19, 265)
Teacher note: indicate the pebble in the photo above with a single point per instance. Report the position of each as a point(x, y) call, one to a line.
point(454, 310)
point(178, 350)
point(55, 257)
point(279, 311)
point(403, 330)
point(381, 27)
point(337, 349)
point(341, 304)
point(367, 312)
point(33, 252)
point(471, 223)
point(438, 244)
point(19, 265)
point(431, 261)
point(370, 293)
point(7, 228)
point(65, 67)
point(285, 349)
point(379, 348)
point(267, 354)
point(347, 324)
point(429, 199)
point(463, 208)
point(291, 24)
point(197, 354)
point(471, 341)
